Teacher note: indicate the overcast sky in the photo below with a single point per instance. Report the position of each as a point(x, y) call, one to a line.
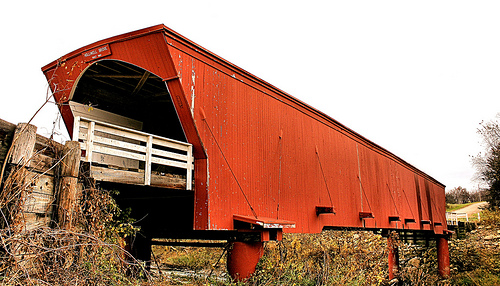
point(416, 77)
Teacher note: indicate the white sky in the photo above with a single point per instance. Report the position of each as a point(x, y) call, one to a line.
point(416, 77)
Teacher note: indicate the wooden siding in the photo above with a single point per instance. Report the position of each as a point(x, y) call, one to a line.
point(261, 152)
point(276, 148)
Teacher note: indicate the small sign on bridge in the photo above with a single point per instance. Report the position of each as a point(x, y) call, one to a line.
point(96, 53)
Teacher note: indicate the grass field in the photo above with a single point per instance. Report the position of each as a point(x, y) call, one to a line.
point(454, 207)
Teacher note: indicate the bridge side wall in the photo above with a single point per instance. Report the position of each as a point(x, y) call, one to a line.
point(272, 155)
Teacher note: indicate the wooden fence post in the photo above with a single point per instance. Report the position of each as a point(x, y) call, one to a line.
point(23, 144)
point(68, 190)
point(19, 153)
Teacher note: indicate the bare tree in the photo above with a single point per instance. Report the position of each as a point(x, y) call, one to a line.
point(487, 164)
point(458, 195)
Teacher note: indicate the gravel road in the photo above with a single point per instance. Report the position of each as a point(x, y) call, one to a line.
point(472, 209)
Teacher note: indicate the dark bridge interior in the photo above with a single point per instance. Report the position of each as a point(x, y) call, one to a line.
point(133, 92)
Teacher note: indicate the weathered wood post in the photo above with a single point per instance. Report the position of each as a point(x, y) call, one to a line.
point(68, 184)
point(23, 144)
point(20, 152)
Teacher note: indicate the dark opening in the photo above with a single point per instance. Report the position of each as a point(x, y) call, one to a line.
point(157, 211)
point(133, 92)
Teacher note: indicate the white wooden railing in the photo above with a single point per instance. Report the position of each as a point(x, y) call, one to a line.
point(452, 217)
point(132, 146)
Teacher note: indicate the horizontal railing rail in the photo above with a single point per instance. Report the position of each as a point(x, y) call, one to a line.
point(452, 217)
point(131, 147)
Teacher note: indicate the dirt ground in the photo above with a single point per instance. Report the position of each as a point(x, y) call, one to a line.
point(473, 209)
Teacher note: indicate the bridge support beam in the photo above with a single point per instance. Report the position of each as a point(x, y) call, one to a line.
point(393, 256)
point(443, 257)
point(248, 246)
point(243, 258)
point(141, 248)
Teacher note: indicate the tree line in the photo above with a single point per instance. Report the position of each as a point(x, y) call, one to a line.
point(460, 195)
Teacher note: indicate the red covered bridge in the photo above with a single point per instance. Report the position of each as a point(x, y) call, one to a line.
point(200, 148)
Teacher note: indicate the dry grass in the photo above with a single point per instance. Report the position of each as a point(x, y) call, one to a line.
point(88, 254)
point(328, 258)
point(347, 258)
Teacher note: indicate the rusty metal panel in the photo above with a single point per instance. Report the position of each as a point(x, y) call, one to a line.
point(260, 152)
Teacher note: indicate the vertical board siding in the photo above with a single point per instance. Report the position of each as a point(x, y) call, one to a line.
point(282, 177)
point(258, 147)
